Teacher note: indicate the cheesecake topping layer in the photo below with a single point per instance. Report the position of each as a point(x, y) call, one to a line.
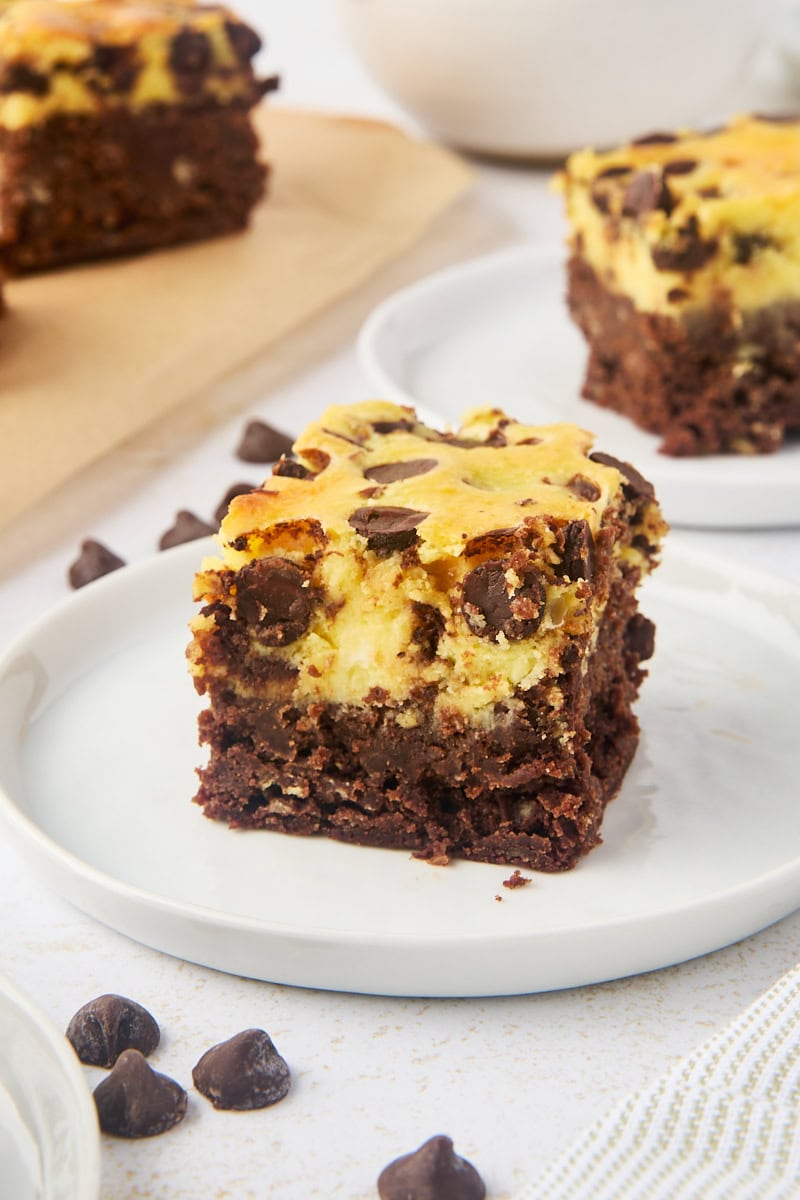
point(83, 56)
point(682, 221)
point(388, 555)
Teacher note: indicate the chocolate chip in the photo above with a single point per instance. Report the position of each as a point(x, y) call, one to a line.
point(493, 603)
point(645, 193)
point(600, 199)
point(680, 166)
point(636, 486)
point(94, 560)
point(655, 139)
point(394, 471)
point(19, 77)
point(745, 245)
point(245, 41)
point(709, 193)
point(262, 443)
point(187, 528)
point(688, 252)
point(384, 427)
point(236, 489)
point(190, 52)
point(113, 68)
point(291, 468)
point(428, 628)
point(613, 172)
point(433, 1172)
point(135, 1101)
point(386, 527)
point(577, 560)
point(103, 1028)
point(640, 636)
point(587, 489)
point(273, 594)
point(243, 1073)
point(676, 294)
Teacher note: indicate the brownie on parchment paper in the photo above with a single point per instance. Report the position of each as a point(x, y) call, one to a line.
point(684, 276)
point(123, 127)
point(428, 640)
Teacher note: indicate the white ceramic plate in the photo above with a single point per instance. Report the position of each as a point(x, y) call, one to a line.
point(49, 1142)
point(495, 331)
point(702, 847)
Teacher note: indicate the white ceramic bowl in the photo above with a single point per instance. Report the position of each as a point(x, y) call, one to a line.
point(538, 78)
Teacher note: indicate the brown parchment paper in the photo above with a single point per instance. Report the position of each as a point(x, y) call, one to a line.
point(90, 356)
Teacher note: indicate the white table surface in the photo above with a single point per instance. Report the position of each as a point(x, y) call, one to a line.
point(512, 1080)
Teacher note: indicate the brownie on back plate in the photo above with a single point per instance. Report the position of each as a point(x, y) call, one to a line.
point(428, 640)
point(123, 127)
point(684, 276)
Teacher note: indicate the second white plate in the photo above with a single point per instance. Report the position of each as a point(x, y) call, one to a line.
point(495, 331)
point(98, 747)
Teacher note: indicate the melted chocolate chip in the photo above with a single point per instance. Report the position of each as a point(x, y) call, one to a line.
point(577, 560)
point(428, 628)
point(113, 68)
point(587, 489)
point(613, 172)
point(657, 138)
point(273, 594)
point(386, 527)
point(291, 468)
point(645, 193)
point(187, 528)
point(676, 294)
point(243, 1073)
point(236, 489)
point(384, 427)
point(262, 443)
point(433, 1172)
point(640, 636)
point(688, 252)
point(135, 1101)
point(494, 604)
point(94, 560)
point(745, 245)
point(600, 199)
point(680, 166)
point(103, 1028)
point(245, 41)
point(394, 471)
point(636, 486)
point(19, 77)
point(189, 52)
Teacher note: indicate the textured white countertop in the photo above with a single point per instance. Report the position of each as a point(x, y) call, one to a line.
point(511, 1080)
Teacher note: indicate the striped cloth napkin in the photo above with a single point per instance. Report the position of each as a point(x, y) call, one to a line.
point(723, 1124)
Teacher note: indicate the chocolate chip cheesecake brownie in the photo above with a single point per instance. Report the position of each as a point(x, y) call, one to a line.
point(428, 640)
point(684, 276)
point(123, 126)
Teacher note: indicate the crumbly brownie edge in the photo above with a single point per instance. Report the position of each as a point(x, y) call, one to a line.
point(690, 381)
point(88, 187)
point(513, 794)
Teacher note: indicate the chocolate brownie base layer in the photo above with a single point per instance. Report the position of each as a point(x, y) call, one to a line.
point(706, 383)
point(513, 794)
point(88, 187)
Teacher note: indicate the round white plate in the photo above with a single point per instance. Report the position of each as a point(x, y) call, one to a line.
point(702, 847)
point(495, 331)
point(49, 1142)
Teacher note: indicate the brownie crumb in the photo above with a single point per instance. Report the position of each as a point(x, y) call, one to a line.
point(516, 880)
point(106, 1026)
point(262, 443)
point(187, 528)
point(236, 489)
point(243, 1073)
point(135, 1101)
point(94, 560)
point(433, 1172)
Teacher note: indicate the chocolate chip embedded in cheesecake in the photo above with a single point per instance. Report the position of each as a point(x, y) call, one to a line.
point(123, 127)
point(428, 640)
point(684, 276)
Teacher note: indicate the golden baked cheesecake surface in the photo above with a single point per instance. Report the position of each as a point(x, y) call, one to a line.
point(85, 56)
point(682, 221)
point(383, 528)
